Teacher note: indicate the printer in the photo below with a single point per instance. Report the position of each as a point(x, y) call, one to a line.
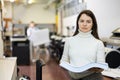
point(116, 34)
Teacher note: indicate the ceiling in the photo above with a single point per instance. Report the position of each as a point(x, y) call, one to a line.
point(32, 1)
point(26, 2)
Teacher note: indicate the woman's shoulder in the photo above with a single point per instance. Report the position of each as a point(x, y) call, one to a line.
point(71, 38)
point(100, 42)
point(68, 39)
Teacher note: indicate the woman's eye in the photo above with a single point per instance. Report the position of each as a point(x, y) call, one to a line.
point(81, 20)
point(89, 21)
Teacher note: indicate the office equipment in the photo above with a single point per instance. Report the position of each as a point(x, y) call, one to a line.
point(114, 40)
point(112, 58)
point(21, 49)
point(116, 34)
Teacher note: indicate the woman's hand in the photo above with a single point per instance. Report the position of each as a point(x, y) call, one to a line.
point(95, 70)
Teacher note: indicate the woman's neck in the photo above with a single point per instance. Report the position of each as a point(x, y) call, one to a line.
point(85, 34)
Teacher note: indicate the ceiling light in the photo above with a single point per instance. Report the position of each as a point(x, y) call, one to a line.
point(12, 0)
point(30, 1)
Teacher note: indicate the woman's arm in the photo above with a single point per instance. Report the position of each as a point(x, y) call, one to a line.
point(100, 57)
point(65, 56)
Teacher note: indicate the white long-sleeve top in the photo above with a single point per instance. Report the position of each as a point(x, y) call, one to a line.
point(31, 30)
point(82, 49)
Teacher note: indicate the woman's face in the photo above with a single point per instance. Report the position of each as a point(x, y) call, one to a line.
point(31, 24)
point(85, 23)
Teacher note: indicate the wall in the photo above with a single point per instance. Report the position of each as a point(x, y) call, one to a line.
point(34, 12)
point(69, 22)
point(30, 12)
point(8, 10)
point(107, 13)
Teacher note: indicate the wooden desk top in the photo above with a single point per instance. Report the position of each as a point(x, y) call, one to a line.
point(7, 68)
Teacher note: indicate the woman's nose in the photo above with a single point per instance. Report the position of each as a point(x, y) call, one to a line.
point(84, 23)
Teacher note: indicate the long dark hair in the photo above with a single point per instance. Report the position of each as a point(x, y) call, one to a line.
point(94, 27)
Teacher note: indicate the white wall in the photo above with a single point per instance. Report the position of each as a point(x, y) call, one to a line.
point(34, 12)
point(69, 21)
point(107, 13)
point(8, 10)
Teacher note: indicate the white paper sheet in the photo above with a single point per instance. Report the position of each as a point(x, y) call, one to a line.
point(83, 68)
point(40, 37)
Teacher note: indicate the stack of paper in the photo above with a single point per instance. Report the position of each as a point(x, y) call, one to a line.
point(77, 69)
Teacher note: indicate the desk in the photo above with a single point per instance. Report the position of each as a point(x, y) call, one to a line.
point(8, 68)
point(113, 73)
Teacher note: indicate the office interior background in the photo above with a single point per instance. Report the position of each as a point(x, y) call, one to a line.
point(59, 16)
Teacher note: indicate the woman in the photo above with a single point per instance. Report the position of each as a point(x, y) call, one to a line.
point(30, 30)
point(84, 47)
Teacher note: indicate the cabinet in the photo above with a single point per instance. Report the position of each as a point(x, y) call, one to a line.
point(21, 49)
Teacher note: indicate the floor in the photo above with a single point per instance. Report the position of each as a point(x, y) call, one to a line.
point(51, 71)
